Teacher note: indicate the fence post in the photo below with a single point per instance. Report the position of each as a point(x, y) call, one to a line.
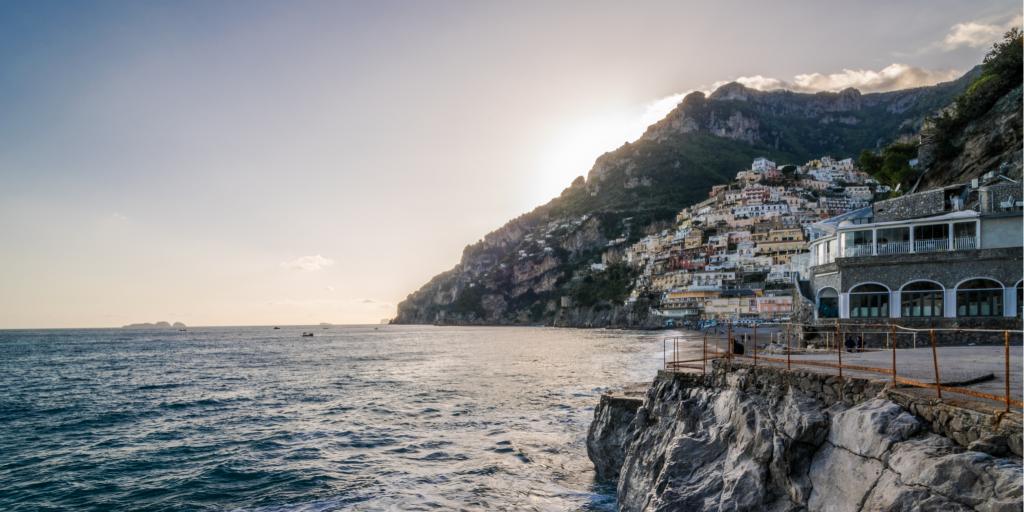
point(839, 348)
point(717, 349)
point(935, 363)
point(892, 330)
point(1006, 359)
point(789, 345)
point(704, 359)
point(754, 343)
point(728, 340)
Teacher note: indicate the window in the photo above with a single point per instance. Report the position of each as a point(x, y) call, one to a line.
point(931, 232)
point(932, 237)
point(963, 230)
point(979, 297)
point(828, 303)
point(921, 299)
point(858, 243)
point(869, 301)
point(894, 240)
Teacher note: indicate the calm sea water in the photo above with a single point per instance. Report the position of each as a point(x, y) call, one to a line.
point(356, 418)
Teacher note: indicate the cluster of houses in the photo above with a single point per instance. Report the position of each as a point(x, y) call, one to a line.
point(824, 235)
point(738, 253)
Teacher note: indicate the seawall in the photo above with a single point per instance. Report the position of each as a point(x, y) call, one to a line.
point(746, 438)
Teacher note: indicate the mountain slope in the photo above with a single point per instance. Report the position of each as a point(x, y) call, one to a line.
point(519, 273)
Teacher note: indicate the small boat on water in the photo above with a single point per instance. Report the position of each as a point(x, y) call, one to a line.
point(307, 335)
point(276, 328)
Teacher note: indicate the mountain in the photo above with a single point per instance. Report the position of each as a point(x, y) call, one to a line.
point(533, 270)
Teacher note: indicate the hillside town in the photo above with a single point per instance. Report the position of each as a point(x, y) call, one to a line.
point(738, 253)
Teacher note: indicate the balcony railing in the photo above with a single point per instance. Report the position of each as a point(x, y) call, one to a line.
point(937, 244)
point(894, 247)
point(962, 243)
point(858, 250)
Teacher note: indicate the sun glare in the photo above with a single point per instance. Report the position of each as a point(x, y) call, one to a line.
point(575, 145)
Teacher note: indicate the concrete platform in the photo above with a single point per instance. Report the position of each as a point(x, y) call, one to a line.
point(956, 364)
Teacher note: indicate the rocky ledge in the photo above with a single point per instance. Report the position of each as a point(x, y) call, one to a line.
point(764, 439)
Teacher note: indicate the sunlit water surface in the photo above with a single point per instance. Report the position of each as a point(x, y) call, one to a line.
point(355, 418)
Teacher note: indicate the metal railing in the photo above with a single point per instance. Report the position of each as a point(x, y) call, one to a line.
point(894, 247)
point(858, 250)
point(783, 337)
point(933, 245)
point(962, 243)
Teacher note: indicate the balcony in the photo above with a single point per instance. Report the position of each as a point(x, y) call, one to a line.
point(933, 245)
point(963, 243)
point(894, 247)
point(858, 250)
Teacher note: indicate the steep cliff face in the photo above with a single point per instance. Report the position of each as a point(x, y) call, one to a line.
point(993, 142)
point(520, 273)
point(748, 443)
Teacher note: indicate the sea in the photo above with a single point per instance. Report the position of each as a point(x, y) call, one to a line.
point(353, 418)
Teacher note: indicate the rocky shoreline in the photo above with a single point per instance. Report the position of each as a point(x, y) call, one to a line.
point(744, 438)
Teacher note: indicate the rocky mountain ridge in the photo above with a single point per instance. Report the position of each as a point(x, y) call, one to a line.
point(536, 268)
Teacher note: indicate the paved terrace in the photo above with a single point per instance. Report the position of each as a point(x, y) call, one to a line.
point(979, 368)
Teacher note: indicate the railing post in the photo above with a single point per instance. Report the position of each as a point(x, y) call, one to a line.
point(789, 346)
point(704, 359)
point(892, 329)
point(1006, 359)
point(754, 343)
point(842, 346)
point(728, 341)
point(935, 363)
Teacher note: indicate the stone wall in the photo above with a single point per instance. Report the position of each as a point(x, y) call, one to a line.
point(990, 197)
point(946, 268)
point(923, 204)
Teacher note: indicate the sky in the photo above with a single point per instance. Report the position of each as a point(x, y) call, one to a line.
point(259, 163)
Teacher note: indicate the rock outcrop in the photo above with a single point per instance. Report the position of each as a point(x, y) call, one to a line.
point(608, 435)
point(741, 441)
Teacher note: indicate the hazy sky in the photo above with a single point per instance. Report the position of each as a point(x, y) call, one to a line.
point(226, 163)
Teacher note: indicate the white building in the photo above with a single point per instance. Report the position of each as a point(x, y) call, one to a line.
point(762, 164)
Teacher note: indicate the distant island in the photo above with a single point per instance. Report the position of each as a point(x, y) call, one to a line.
point(157, 325)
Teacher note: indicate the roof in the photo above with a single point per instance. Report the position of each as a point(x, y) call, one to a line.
point(958, 215)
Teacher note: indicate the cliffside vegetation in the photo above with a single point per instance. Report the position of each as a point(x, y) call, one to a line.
point(891, 166)
point(1001, 72)
point(978, 131)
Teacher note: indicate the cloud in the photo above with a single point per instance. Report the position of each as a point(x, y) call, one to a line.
point(977, 34)
point(329, 288)
point(308, 263)
point(890, 78)
point(368, 301)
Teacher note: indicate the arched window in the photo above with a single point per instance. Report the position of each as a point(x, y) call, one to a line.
point(921, 298)
point(828, 303)
point(869, 301)
point(979, 297)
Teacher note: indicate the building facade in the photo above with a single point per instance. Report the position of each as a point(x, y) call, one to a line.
point(942, 258)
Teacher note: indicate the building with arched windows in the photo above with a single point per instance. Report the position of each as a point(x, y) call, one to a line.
point(947, 257)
